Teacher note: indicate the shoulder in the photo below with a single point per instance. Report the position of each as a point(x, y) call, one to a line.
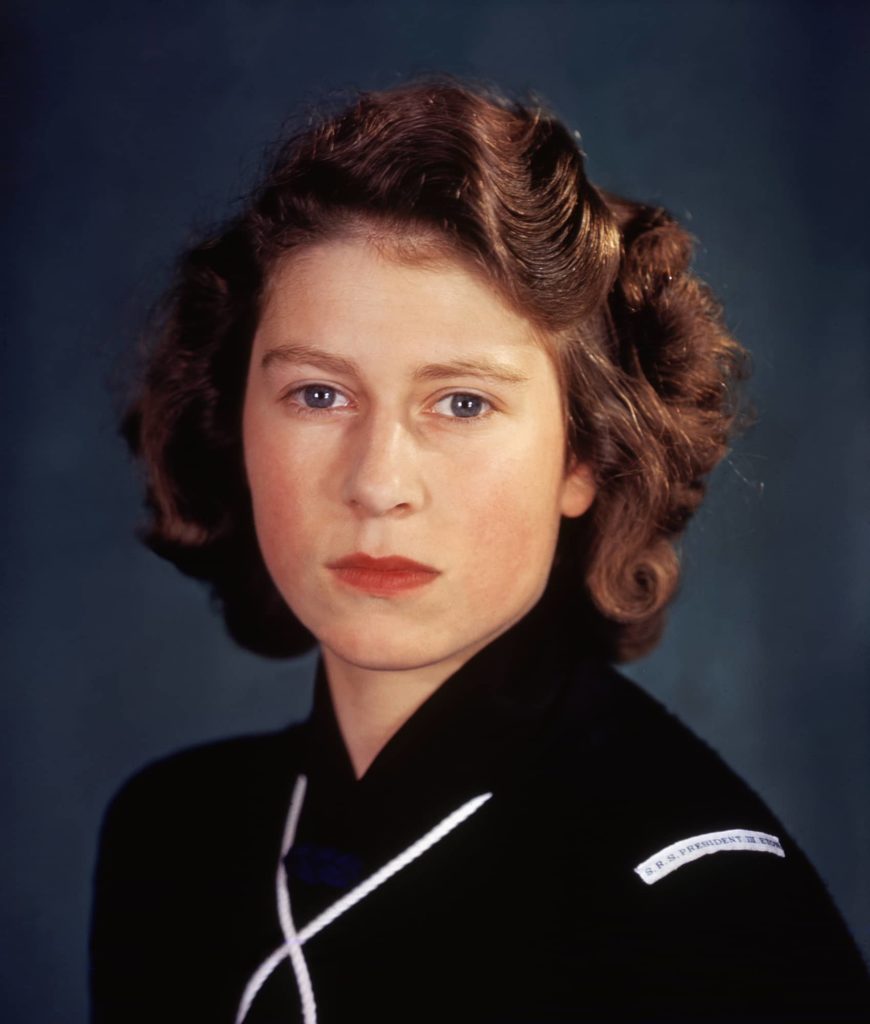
point(228, 761)
point(644, 754)
point(614, 777)
point(187, 844)
point(215, 769)
point(690, 860)
point(668, 797)
point(173, 799)
point(640, 797)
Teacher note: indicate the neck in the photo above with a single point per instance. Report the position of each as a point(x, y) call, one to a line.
point(371, 705)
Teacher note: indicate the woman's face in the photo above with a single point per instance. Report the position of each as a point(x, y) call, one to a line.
point(396, 410)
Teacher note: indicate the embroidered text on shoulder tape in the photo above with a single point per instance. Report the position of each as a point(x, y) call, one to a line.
point(677, 854)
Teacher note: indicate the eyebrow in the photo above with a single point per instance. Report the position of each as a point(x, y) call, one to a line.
point(313, 356)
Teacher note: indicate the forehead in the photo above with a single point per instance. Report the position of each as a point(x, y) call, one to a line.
point(351, 294)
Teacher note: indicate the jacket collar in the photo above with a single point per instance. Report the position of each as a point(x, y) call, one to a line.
point(468, 737)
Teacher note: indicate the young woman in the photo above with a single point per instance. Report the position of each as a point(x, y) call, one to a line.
point(438, 404)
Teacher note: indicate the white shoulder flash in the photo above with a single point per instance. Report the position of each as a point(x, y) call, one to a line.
point(687, 850)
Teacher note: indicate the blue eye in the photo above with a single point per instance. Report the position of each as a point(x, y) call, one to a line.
point(461, 405)
point(318, 396)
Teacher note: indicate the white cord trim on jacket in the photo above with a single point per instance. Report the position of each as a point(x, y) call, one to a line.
point(293, 939)
point(292, 947)
point(285, 913)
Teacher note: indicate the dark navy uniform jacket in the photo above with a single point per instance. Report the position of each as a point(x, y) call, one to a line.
point(606, 865)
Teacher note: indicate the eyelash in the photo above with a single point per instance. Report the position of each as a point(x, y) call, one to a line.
point(300, 409)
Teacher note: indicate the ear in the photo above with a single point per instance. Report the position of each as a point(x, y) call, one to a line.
point(578, 489)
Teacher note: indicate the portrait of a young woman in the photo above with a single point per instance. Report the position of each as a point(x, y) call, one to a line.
point(439, 407)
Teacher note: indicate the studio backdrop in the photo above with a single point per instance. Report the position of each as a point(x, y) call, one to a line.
point(136, 125)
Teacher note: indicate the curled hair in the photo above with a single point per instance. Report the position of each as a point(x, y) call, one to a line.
point(440, 168)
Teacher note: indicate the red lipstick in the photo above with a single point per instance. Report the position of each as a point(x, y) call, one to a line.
point(382, 576)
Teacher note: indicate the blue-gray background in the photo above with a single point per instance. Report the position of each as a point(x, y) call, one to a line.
point(134, 121)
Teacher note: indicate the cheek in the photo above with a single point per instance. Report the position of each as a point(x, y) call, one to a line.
point(280, 489)
point(511, 519)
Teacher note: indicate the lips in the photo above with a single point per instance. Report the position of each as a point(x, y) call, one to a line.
point(382, 576)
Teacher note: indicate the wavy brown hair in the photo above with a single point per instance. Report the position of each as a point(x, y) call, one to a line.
point(648, 369)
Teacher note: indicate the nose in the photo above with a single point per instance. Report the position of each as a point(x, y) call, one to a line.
point(383, 468)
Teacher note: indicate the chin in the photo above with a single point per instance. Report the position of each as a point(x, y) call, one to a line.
point(397, 656)
point(388, 648)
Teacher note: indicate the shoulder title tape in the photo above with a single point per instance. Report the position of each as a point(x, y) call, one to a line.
point(678, 854)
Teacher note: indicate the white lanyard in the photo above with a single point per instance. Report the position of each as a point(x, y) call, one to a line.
point(293, 939)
